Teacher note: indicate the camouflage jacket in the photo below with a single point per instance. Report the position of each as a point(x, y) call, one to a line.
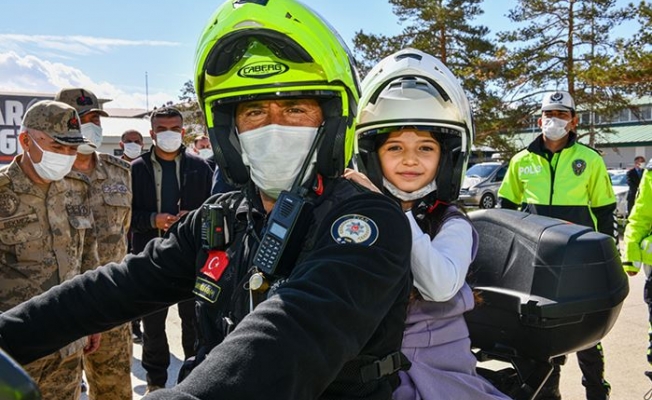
point(111, 205)
point(43, 234)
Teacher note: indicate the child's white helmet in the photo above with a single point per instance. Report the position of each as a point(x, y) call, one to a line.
point(412, 88)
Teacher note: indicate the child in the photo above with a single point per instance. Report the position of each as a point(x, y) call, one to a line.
point(414, 135)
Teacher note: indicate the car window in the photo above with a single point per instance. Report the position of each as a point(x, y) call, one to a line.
point(619, 179)
point(500, 175)
point(481, 170)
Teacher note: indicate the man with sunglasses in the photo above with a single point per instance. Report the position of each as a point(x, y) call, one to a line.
point(45, 224)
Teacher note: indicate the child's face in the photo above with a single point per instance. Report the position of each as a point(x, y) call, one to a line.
point(409, 159)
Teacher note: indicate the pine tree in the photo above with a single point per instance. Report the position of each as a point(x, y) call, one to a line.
point(444, 29)
point(634, 55)
point(564, 45)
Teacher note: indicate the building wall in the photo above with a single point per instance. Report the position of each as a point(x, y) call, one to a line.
point(14, 105)
point(623, 157)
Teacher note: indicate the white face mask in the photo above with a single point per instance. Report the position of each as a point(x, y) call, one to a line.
point(275, 153)
point(93, 133)
point(553, 128)
point(53, 166)
point(205, 153)
point(132, 150)
point(168, 141)
point(409, 196)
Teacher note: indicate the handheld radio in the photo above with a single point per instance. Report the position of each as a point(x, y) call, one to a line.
point(215, 233)
point(288, 224)
point(283, 239)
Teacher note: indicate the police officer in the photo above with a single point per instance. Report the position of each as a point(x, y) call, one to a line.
point(638, 241)
point(108, 369)
point(45, 220)
point(559, 177)
point(279, 93)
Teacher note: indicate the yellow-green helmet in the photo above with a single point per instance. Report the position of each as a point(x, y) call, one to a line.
point(264, 49)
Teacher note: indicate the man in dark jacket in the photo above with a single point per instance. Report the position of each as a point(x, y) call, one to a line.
point(168, 182)
point(633, 181)
point(303, 277)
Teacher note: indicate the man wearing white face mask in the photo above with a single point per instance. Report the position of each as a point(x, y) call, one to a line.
point(168, 182)
point(108, 370)
point(202, 146)
point(558, 177)
point(328, 322)
point(131, 143)
point(45, 221)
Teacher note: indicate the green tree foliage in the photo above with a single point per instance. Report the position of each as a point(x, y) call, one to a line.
point(444, 29)
point(554, 45)
point(193, 117)
point(564, 45)
point(634, 55)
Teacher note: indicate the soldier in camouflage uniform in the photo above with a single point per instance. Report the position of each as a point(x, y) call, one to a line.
point(45, 218)
point(108, 370)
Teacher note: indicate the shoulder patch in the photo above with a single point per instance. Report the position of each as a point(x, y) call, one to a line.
point(115, 161)
point(4, 179)
point(354, 228)
point(9, 203)
point(78, 176)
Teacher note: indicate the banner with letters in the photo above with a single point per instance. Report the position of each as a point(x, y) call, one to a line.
point(12, 109)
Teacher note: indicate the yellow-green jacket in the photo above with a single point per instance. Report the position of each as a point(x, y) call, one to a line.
point(640, 222)
point(571, 184)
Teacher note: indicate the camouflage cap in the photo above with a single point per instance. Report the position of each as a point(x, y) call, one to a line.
point(83, 100)
point(56, 119)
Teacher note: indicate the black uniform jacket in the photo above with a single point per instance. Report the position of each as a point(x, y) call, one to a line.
point(633, 181)
point(194, 189)
point(333, 308)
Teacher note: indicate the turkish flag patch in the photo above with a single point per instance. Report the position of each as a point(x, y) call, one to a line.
point(215, 265)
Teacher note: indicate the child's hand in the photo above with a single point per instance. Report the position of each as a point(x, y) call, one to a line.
point(361, 179)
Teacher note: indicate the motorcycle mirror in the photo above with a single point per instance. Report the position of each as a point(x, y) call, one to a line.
point(15, 383)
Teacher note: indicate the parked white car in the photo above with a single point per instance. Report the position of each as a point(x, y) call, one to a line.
point(481, 184)
point(619, 182)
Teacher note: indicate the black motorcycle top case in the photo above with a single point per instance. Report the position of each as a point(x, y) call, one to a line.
point(547, 287)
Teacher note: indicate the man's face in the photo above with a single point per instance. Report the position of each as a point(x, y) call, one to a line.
point(44, 142)
point(292, 112)
point(565, 115)
point(202, 144)
point(93, 117)
point(131, 137)
point(162, 124)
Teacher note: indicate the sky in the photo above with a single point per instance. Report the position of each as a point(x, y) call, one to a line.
point(115, 47)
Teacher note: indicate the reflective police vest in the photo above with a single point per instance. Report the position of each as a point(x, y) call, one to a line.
point(564, 185)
